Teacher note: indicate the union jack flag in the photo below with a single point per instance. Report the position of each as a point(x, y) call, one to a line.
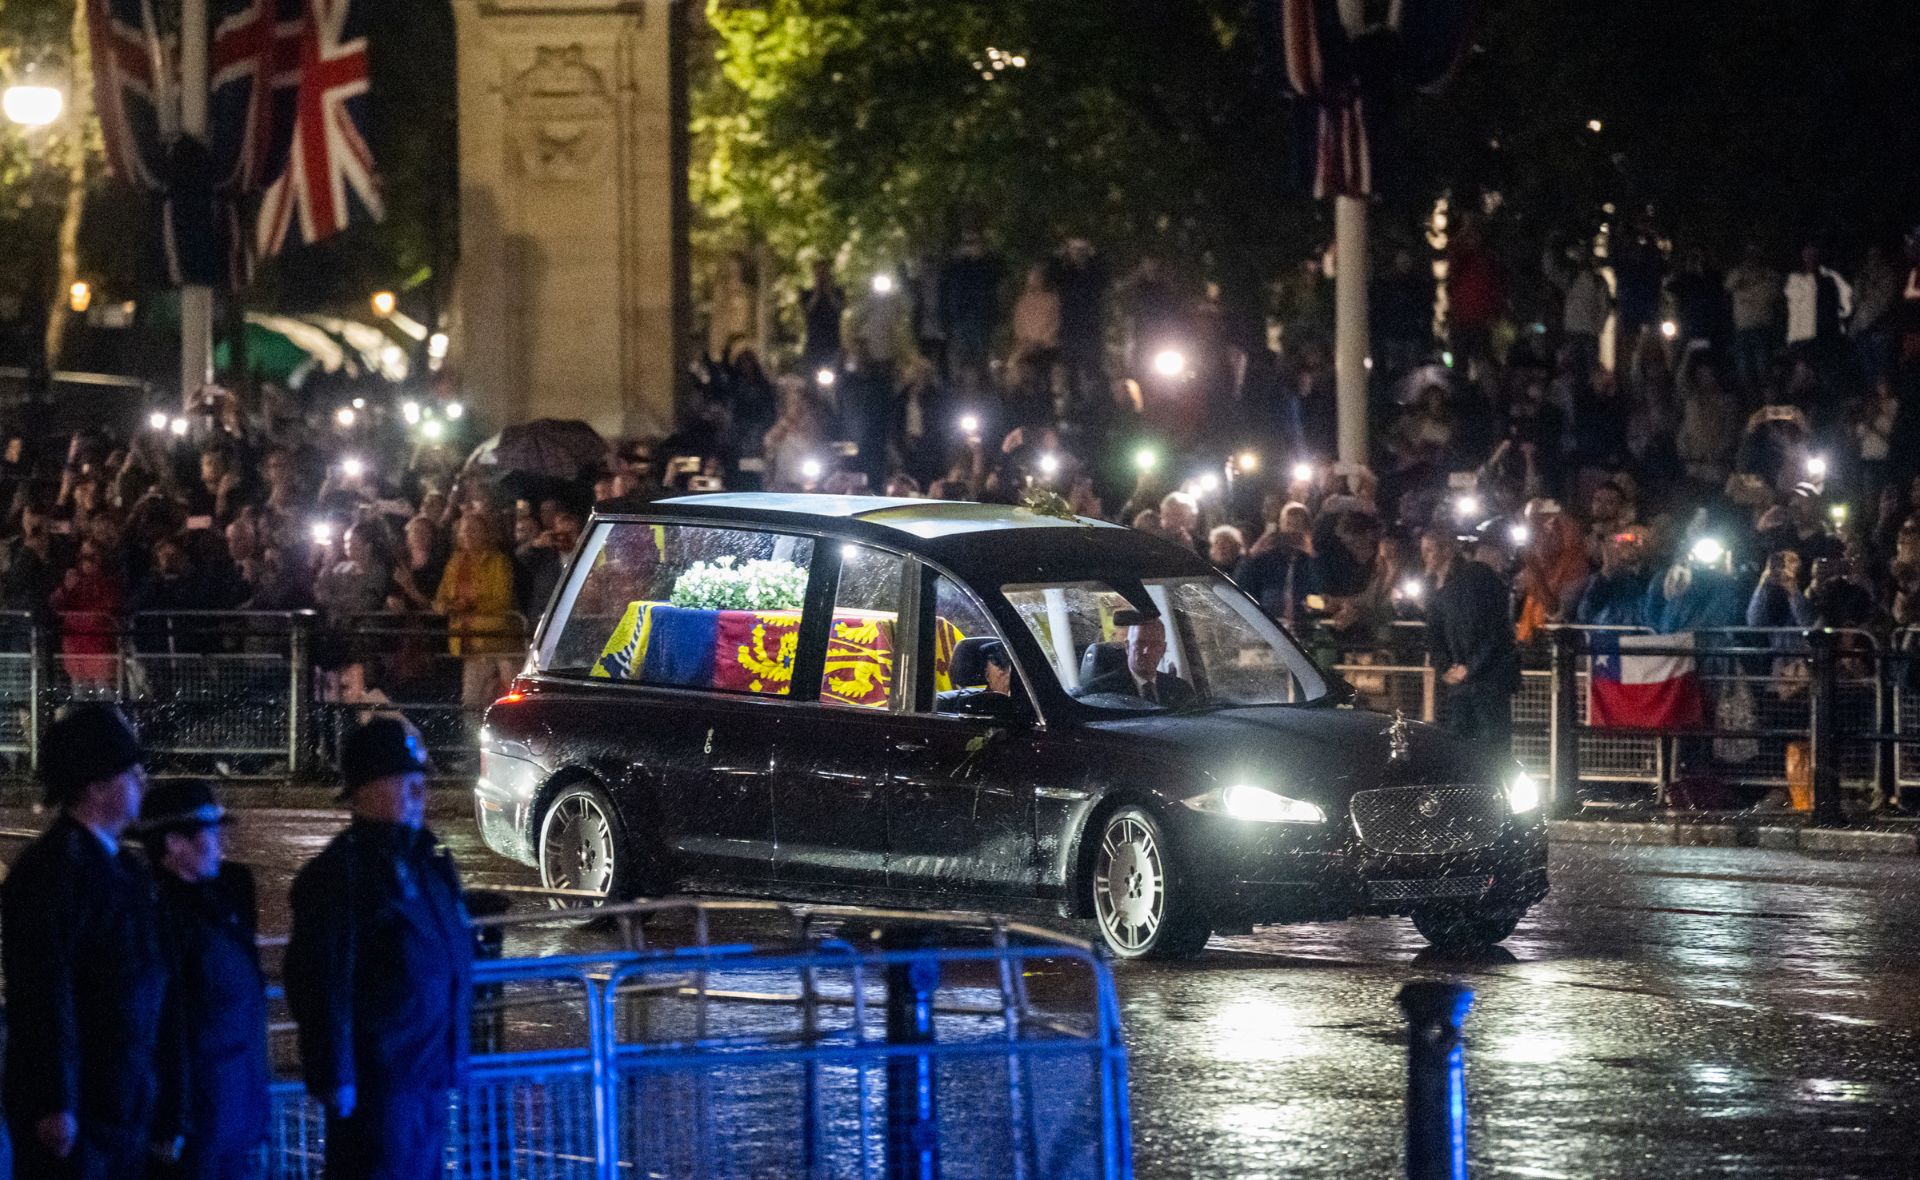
point(1343, 57)
point(329, 168)
point(127, 58)
point(255, 76)
point(1317, 70)
point(253, 73)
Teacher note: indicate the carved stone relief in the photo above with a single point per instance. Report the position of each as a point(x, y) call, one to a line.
point(560, 113)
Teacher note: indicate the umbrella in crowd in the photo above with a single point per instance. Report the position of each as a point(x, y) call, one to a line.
point(548, 448)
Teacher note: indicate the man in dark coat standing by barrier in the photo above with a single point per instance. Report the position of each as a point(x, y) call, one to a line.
point(217, 1006)
point(379, 971)
point(85, 965)
point(1470, 633)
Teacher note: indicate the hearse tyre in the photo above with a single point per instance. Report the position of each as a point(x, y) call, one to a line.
point(1145, 902)
point(583, 845)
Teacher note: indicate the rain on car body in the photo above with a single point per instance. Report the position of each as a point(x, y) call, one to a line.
point(930, 703)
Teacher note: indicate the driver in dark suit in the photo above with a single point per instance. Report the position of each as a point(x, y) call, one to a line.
point(1142, 677)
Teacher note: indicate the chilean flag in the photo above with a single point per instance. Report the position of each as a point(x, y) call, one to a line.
point(1630, 691)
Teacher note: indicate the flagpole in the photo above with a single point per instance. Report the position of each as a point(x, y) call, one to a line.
point(1351, 330)
point(196, 302)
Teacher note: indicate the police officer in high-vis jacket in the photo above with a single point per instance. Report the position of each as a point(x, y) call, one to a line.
point(217, 1005)
point(379, 971)
point(86, 967)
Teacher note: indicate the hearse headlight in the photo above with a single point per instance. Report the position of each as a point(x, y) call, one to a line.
point(1259, 805)
point(1523, 792)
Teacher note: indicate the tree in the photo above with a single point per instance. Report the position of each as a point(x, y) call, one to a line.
point(889, 125)
point(1155, 125)
point(47, 174)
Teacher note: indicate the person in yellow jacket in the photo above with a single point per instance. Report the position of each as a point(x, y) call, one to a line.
point(476, 595)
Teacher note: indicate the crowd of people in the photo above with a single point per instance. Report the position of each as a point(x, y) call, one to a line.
point(350, 515)
point(1654, 443)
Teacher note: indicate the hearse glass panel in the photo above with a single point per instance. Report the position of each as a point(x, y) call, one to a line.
point(682, 606)
point(865, 642)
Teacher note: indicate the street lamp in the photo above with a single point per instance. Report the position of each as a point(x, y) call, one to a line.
point(33, 106)
point(383, 303)
point(80, 296)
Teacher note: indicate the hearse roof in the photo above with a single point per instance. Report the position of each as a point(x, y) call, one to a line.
point(997, 542)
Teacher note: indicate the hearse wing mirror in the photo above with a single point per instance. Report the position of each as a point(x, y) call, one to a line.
point(1341, 693)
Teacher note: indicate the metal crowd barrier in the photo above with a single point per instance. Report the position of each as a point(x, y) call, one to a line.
point(1826, 698)
point(255, 694)
point(846, 1043)
point(1757, 686)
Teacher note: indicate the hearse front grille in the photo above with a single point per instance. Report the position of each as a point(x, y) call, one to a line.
point(1434, 887)
point(1429, 821)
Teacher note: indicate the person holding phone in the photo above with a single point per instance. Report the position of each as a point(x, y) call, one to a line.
point(1617, 595)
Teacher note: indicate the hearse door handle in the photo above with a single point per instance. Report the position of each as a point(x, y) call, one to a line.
point(910, 747)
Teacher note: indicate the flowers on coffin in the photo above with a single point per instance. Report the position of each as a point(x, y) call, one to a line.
point(757, 584)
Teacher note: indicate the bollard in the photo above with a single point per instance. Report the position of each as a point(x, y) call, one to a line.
point(1823, 748)
point(1563, 733)
point(913, 1108)
point(1436, 1086)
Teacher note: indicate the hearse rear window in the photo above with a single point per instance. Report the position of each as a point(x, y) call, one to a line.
point(683, 606)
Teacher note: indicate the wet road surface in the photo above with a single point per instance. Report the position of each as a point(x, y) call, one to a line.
point(1667, 1012)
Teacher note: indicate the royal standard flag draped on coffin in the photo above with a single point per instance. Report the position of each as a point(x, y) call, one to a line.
point(748, 651)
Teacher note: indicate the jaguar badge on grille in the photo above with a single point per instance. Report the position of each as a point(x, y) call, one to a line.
point(1428, 806)
point(1399, 737)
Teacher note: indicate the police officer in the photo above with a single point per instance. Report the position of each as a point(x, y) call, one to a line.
point(379, 970)
point(86, 969)
point(217, 1006)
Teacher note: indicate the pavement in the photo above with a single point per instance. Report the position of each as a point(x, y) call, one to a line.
point(1668, 1012)
point(1779, 831)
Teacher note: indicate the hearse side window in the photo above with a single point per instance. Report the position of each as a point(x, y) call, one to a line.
point(861, 646)
point(683, 606)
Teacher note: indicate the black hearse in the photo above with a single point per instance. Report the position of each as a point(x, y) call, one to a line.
point(962, 705)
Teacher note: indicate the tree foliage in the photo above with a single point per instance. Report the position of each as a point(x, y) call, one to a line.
point(888, 124)
point(1160, 125)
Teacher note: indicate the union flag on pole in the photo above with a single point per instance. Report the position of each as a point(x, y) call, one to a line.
point(129, 74)
point(253, 67)
point(329, 168)
point(255, 73)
